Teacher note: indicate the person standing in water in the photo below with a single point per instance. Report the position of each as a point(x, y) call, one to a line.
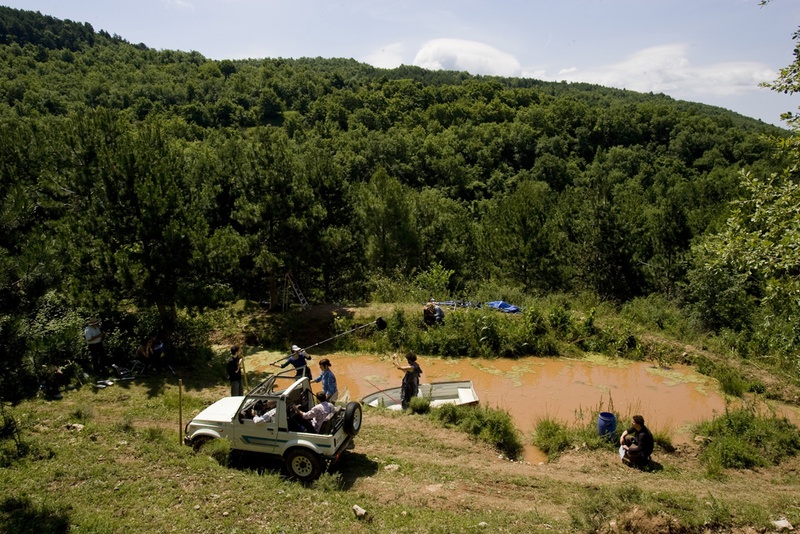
point(412, 372)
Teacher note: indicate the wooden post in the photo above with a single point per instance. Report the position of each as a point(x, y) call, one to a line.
point(180, 411)
point(244, 375)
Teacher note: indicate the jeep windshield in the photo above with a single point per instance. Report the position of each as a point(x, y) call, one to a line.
point(275, 384)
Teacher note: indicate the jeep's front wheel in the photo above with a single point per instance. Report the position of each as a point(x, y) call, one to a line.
point(352, 418)
point(199, 441)
point(303, 464)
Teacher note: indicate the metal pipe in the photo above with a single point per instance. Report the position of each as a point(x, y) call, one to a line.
point(379, 390)
point(380, 323)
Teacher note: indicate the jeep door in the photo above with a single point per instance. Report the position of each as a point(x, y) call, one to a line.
point(255, 437)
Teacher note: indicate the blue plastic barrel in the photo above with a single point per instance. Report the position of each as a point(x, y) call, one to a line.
point(607, 425)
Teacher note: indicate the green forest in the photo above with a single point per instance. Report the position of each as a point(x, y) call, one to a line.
point(145, 186)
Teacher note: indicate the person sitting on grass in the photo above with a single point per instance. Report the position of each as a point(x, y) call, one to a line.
point(636, 444)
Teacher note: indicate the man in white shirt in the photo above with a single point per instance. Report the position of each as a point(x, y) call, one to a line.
point(270, 408)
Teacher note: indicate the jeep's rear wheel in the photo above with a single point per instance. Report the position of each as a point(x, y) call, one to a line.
point(303, 464)
point(352, 419)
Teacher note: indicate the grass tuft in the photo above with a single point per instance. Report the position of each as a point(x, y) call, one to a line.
point(219, 450)
point(83, 412)
point(490, 425)
point(551, 437)
point(420, 405)
point(744, 438)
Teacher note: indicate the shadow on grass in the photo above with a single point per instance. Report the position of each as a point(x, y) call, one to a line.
point(21, 516)
point(251, 461)
point(651, 467)
point(351, 466)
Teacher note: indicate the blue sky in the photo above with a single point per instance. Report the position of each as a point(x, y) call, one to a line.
point(710, 51)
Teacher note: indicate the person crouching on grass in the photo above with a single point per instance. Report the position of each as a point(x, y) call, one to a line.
point(636, 444)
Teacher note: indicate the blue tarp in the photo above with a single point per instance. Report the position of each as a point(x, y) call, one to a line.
point(503, 306)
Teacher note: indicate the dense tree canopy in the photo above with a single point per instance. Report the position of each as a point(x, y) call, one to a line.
point(162, 178)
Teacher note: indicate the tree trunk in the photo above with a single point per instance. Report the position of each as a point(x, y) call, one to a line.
point(275, 298)
point(168, 315)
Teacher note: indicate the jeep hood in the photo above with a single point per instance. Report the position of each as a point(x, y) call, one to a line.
point(222, 411)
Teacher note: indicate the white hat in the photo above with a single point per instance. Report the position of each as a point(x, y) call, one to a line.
point(295, 348)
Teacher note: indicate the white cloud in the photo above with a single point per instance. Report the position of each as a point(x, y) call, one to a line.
point(471, 56)
point(179, 4)
point(387, 57)
point(666, 69)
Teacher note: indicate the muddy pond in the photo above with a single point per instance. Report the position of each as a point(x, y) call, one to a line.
point(530, 389)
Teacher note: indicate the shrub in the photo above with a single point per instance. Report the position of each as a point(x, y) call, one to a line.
point(490, 425)
point(657, 312)
point(551, 437)
point(730, 379)
point(219, 450)
point(419, 405)
point(190, 338)
point(435, 280)
point(560, 319)
point(390, 289)
point(744, 438)
point(448, 414)
point(11, 446)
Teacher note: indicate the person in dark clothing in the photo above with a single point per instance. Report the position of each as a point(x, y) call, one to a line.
point(234, 368)
point(636, 443)
point(412, 372)
point(94, 341)
point(298, 359)
point(432, 314)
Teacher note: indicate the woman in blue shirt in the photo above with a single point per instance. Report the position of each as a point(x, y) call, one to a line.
point(328, 380)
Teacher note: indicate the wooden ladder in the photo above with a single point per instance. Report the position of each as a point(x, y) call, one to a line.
point(290, 283)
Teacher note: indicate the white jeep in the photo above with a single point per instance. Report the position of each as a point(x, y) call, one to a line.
point(305, 453)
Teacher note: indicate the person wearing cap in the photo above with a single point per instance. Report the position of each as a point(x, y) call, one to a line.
point(298, 359)
point(328, 380)
point(94, 341)
point(636, 443)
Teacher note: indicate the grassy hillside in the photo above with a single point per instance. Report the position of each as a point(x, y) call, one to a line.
point(110, 461)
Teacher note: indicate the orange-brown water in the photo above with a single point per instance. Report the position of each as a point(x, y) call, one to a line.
point(567, 390)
